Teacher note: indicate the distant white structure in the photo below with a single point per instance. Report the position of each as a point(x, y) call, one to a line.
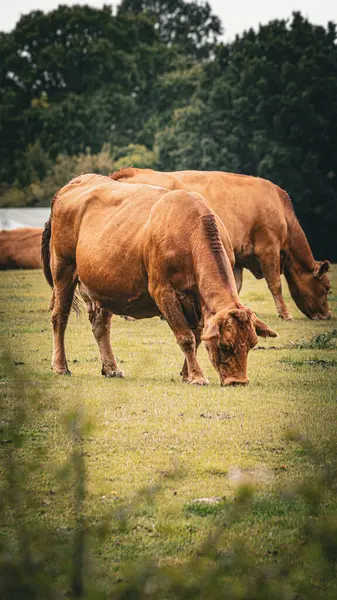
point(13, 218)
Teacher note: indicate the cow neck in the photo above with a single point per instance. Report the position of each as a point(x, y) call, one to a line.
point(213, 271)
point(299, 259)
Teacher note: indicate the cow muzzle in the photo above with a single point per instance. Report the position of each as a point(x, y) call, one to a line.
point(321, 317)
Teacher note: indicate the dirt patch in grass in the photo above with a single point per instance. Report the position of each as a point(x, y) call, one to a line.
point(322, 363)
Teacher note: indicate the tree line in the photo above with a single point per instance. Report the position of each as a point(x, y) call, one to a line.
point(153, 85)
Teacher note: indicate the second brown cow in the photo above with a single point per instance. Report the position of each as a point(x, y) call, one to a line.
point(266, 235)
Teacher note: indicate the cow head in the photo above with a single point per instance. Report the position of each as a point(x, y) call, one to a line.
point(228, 336)
point(310, 292)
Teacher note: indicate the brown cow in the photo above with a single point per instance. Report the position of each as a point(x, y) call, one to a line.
point(266, 236)
point(20, 248)
point(144, 251)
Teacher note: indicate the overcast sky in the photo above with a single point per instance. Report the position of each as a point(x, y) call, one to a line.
point(236, 16)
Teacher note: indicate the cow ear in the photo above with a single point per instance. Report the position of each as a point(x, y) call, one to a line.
point(211, 331)
point(262, 329)
point(321, 268)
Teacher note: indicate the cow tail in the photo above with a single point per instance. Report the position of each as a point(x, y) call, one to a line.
point(45, 252)
point(77, 304)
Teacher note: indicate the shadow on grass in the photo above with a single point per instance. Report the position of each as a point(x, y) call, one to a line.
point(40, 560)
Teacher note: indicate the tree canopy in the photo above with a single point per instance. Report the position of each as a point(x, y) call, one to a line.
point(153, 84)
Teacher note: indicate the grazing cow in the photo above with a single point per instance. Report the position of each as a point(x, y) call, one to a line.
point(144, 251)
point(20, 248)
point(266, 235)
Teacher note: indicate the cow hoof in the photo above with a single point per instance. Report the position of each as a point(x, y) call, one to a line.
point(61, 371)
point(118, 374)
point(197, 381)
point(286, 317)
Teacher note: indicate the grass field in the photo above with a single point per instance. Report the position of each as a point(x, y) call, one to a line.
point(157, 445)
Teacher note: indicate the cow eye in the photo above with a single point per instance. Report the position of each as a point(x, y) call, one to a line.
point(225, 348)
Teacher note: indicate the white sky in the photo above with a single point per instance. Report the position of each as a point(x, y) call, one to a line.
point(236, 16)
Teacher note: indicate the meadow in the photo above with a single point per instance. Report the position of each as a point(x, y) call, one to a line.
point(164, 465)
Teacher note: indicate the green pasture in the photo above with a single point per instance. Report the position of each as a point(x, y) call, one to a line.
point(165, 461)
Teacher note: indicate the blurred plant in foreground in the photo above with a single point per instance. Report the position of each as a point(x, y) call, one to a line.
point(40, 560)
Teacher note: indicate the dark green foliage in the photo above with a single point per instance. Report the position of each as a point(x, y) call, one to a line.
point(154, 74)
point(321, 341)
point(188, 25)
point(266, 105)
point(69, 79)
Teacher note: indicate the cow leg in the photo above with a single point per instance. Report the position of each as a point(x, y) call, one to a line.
point(238, 275)
point(197, 336)
point(270, 263)
point(63, 294)
point(170, 308)
point(100, 319)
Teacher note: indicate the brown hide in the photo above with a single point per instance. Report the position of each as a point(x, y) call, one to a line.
point(20, 248)
point(265, 234)
point(143, 251)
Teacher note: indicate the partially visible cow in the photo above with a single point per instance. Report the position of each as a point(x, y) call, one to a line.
point(20, 248)
point(143, 251)
point(266, 235)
